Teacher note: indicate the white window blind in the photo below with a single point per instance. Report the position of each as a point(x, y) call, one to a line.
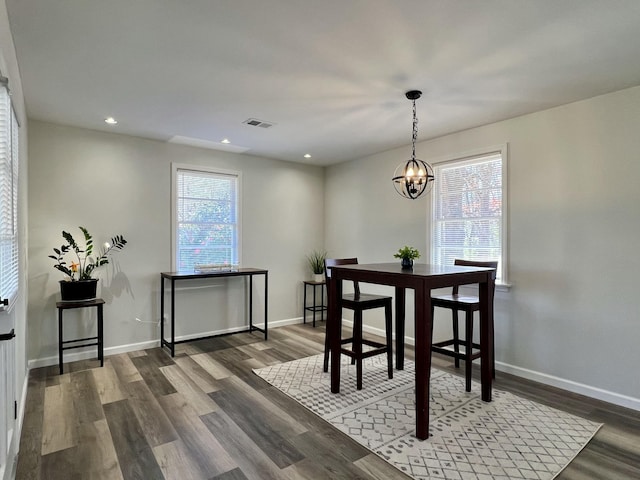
point(207, 218)
point(468, 211)
point(8, 199)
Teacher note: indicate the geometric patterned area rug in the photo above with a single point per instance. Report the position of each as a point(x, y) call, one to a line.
point(507, 438)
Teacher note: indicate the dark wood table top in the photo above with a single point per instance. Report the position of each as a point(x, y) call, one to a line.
point(394, 274)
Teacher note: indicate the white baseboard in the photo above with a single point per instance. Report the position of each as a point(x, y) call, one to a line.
point(132, 347)
point(571, 386)
point(568, 385)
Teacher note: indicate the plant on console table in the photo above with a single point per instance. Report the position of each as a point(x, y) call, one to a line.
point(80, 284)
point(407, 256)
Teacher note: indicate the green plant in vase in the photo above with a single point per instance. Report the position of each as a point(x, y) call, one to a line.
point(407, 256)
point(316, 263)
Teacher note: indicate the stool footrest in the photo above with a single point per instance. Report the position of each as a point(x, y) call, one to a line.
point(451, 353)
point(80, 340)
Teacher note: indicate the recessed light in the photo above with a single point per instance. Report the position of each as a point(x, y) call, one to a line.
point(307, 155)
point(225, 140)
point(110, 121)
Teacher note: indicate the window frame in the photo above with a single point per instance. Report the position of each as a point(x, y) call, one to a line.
point(175, 169)
point(11, 163)
point(469, 157)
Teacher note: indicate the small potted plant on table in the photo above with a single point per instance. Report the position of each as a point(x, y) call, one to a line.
point(79, 284)
point(316, 263)
point(407, 255)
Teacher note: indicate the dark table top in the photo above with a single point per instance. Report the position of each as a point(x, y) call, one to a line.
point(212, 274)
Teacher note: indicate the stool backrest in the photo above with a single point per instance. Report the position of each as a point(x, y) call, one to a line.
point(473, 263)
point(332, 262)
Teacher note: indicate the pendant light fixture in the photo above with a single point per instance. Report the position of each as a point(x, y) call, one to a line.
point(415, 177)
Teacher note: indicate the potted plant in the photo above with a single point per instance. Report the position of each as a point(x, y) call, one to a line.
point(79, 284)
point(316, 263)
point(407, 254)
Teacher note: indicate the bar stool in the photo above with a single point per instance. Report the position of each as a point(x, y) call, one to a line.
point(359, 302)
point(468, 305)
point(88, 341)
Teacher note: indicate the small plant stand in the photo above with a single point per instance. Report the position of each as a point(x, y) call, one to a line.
point(98, 340)
point(314, 307)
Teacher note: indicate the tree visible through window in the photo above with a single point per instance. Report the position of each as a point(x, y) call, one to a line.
point(468, 211)
point(206, 218)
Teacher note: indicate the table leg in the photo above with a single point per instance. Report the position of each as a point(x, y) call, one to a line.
point(314, 306)
point(250, 303)
point(266, 299)
point(335, 319)
point(486, 335)
point(423, 360)
point(60, 341)
point(161, 312)
point(100, 336)
point(173, 317)
point(400, 314)
point(304, 303)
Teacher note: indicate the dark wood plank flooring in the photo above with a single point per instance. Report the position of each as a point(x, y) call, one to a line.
point(205, 415)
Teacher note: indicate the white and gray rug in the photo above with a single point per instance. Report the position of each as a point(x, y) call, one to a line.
point(508, 438)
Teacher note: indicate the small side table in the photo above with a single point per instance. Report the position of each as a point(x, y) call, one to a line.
point(314, 307)
point(99, 339)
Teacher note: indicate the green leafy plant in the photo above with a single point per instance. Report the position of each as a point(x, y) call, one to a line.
point(316, 261)
point(86, 263)
point(407, 253)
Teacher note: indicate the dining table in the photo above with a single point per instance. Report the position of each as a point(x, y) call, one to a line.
point(422, 279)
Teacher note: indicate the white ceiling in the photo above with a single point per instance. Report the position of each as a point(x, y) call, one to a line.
point(329, 74)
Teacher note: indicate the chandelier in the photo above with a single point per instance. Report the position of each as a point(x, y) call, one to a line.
point(414, 177)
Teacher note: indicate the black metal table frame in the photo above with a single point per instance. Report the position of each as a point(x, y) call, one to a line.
point(174, 276)
point(99, 338)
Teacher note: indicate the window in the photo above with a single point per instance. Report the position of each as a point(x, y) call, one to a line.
point(468, 218)
point(206, 220)
point(8, 198)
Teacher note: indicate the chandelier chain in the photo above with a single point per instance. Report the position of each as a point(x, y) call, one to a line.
point(415, 132)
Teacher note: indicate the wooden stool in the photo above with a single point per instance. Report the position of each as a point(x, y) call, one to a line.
point(99, 339)
point(467, 304)
point(359, 302)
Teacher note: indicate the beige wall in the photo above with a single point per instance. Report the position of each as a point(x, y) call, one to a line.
point(571, 318)
point(115, 184)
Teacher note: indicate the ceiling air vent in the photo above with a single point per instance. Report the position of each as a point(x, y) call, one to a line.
point(258, 123)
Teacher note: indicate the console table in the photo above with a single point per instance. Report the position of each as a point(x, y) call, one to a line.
point(173, 277)
point(99, 339)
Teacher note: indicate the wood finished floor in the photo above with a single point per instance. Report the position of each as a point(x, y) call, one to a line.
point(205, 415)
